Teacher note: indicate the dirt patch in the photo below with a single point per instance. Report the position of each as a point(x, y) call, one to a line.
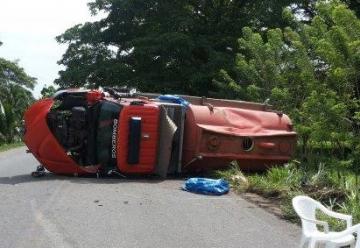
point(271, 205)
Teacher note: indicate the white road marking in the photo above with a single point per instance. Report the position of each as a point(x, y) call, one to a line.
point(49, 228)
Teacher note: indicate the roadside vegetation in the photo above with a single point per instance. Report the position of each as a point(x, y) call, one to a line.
point(312, 72)
point(15, 96)
point(281, 184)
point(5, 147)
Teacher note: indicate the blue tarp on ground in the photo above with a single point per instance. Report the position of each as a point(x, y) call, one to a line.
point(206, 186)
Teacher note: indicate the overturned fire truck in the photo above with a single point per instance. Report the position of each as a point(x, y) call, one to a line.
point(124, 132)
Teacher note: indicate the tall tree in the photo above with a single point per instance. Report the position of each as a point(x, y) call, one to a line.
point(47, 91)
point(15, 96)
point(164, 46)
point(310, 71)
point(354, 5)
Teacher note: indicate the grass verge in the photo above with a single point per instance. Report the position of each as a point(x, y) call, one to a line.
point(5, 147)
point(281, 184)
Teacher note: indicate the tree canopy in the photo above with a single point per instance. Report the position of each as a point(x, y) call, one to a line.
point(354, 5)
point(47, 91)
point(312, 72)
point(163, 46)
point(15, 96)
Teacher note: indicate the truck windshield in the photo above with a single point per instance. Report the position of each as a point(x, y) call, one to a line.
point(106, 134)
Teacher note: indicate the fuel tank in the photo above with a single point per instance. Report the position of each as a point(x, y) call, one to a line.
point(215, 136)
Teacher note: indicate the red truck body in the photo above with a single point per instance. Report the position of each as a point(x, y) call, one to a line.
point(89, 131)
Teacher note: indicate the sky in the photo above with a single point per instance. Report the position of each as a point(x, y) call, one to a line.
point(28, 29)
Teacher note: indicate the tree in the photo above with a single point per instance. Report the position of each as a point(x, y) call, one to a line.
point(15, 96)
point(310, 71)
point(163, 46)
point(354, 5)
point(47, 91)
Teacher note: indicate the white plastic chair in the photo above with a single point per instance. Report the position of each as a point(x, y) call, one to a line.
point(312, 237)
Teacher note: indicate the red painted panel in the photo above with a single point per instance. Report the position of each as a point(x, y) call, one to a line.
point(43, 144)
point(149, 138)
point(94, 96)
point(214, 136)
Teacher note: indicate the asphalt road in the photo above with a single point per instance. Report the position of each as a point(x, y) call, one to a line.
point(56, 211)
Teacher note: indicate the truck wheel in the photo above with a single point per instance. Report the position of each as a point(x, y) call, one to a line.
point(40, 168)
point(37, 173)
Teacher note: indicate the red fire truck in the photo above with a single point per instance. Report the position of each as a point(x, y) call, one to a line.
point(120, 131)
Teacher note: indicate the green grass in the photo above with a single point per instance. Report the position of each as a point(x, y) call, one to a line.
point(5, 147)
point(283, 183)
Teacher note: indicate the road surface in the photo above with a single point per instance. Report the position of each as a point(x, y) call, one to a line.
point(57, 211)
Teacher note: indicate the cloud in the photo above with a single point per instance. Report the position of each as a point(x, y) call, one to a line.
point(42, 16)
point(28, 30)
